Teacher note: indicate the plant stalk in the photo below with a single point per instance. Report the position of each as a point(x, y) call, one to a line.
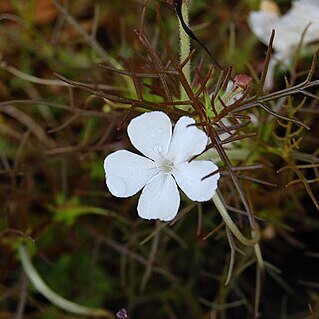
point(232, 226)
point(185, 46)
point(53, 297)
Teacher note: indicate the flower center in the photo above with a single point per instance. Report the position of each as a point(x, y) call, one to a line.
point(166, 166)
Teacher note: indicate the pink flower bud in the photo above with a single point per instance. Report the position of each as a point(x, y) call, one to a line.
point(243, 80)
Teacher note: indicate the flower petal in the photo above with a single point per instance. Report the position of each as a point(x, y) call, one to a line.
point(126, 173)
point(187, 141)
point(189, 178)
point(302, 17)
point(159, 199)
point(269, 81)
point(151, 133)
point(262, 23)
point(301, 21)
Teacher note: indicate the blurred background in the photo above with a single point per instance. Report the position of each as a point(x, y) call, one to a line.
point(92, 248)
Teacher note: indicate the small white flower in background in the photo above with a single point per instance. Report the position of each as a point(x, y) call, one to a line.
point(234, 91)
point(302, 17)
point(166, 162)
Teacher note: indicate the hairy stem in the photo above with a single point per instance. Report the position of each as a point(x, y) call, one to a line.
point(185, 46)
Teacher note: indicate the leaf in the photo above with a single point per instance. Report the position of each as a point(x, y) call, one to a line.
point(67, 211)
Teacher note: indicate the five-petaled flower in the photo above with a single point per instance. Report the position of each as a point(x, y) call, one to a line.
point(301, 21)
point(167, 161)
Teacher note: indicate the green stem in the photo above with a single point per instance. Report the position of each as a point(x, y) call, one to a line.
point(231, 225)
point(185, 46)
point(56, 299)
point(233, 154)
point(260, 274)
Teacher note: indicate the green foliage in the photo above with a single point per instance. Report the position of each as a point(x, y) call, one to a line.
point(68, 210)
point(76, 277)
point(91, 247)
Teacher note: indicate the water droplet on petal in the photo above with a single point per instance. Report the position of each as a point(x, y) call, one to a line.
point(157, 148)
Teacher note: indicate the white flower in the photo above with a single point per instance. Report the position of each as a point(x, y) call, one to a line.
point(166, 162)
point(302, 17)
point(234, 91)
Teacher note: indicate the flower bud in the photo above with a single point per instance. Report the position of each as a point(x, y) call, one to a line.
point(243, 81)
